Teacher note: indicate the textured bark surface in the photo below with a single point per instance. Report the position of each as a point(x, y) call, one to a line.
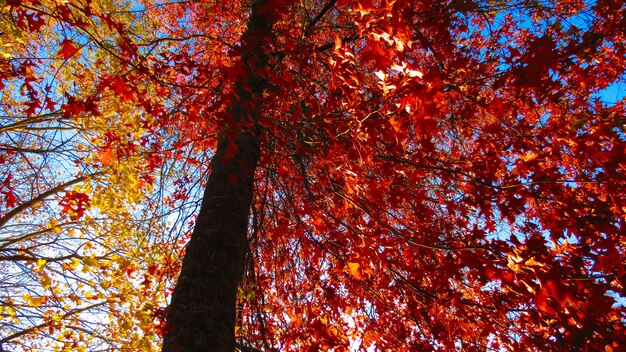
point(201, 315)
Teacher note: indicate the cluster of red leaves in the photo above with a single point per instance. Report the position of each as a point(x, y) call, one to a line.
point(29, 16)
point(74, 107)
point(158, 325)
point(444, 187)
point(74, 204)
point(7, 191)
point(26, 18)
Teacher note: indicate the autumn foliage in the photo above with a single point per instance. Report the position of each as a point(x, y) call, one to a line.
point(431, 175)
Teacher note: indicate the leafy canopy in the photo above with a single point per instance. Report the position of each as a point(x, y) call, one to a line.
point(434, 175)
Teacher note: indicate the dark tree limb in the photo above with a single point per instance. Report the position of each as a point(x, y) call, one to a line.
point(201, 315)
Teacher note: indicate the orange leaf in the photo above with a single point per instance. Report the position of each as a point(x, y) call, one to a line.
point(106, 156)
point(353, 269)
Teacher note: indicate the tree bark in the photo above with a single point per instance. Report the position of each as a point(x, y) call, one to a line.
point(201, 315)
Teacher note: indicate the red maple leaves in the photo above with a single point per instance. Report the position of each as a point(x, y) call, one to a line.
point(440, 172)
point(7, 190)
point(74, 204)
point(68, 49)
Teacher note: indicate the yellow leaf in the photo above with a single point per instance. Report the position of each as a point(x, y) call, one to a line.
point(53, 225)
point(74, 263)
point(34, 301)
point(89, 261)
point(26, 297)
point(40, 263)
point(45, 281)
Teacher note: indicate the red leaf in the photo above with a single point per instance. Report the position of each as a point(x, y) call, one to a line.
point(73, 107)
point(121, 87)
point(68, 49)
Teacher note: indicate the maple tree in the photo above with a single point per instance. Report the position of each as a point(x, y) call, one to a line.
point(386, 175)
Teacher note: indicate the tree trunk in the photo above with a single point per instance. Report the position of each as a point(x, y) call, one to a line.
point(201, 315)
